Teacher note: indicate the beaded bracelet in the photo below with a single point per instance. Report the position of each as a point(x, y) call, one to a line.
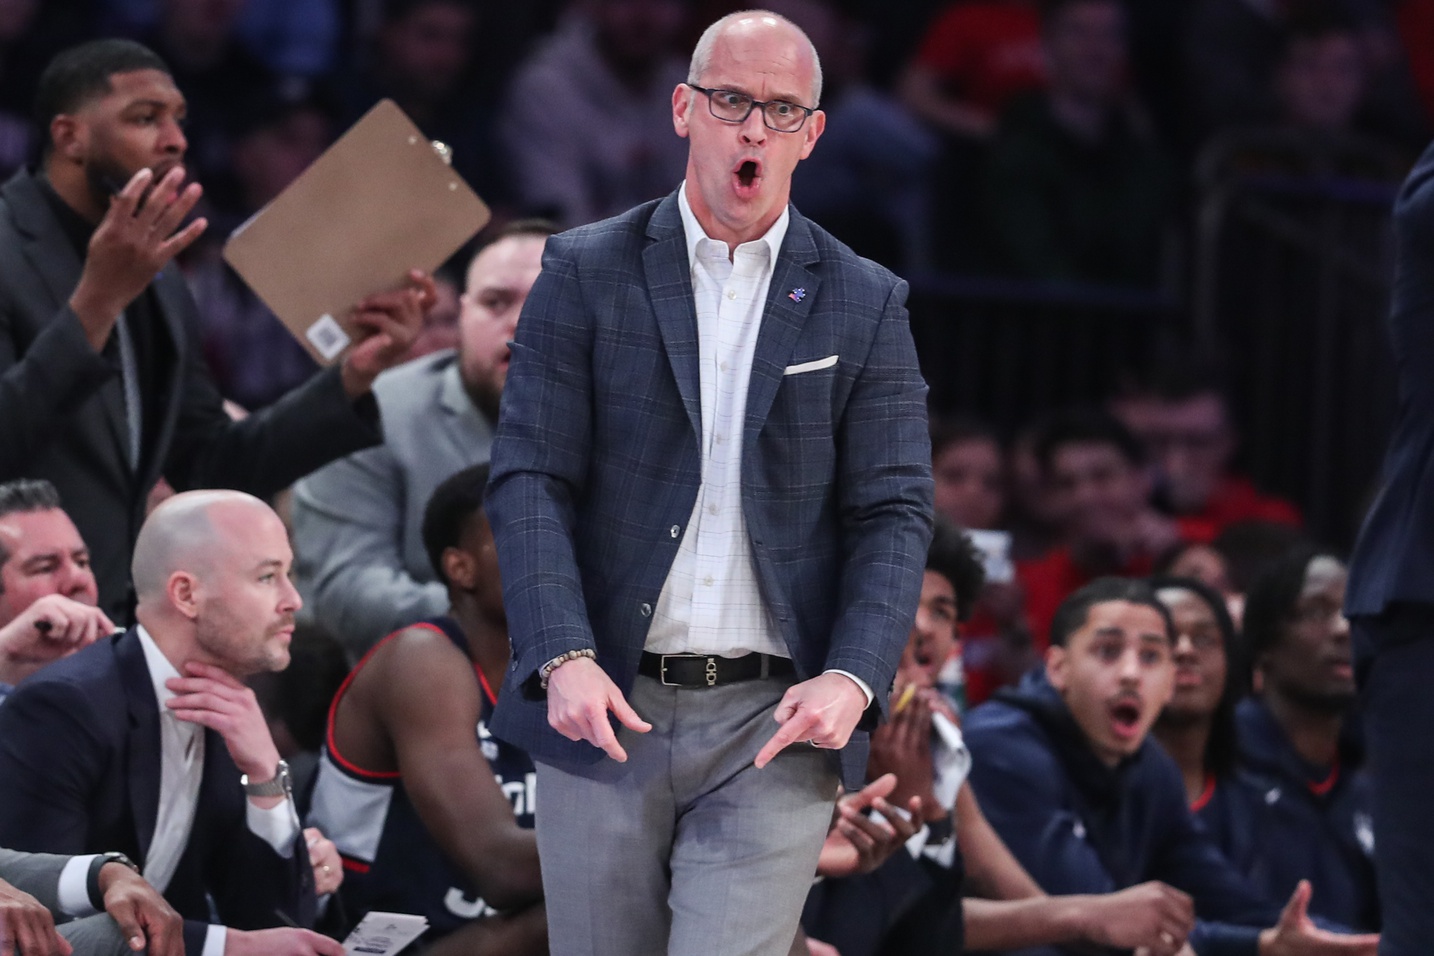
point(546, 671)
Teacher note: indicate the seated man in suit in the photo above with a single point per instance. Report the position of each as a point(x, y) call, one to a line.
point(1071, 785)
point(47, 590)
point(359, 551)
point(148, 743)
point(432, 814)
point(36, 888)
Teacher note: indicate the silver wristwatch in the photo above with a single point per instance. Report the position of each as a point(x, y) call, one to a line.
point(282, 785)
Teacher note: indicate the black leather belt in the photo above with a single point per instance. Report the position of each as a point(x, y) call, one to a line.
point(701, 670)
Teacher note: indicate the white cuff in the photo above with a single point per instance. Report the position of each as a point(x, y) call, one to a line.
point(214, 939)
point(73, 893)
point(865, 688)
point(276, 826)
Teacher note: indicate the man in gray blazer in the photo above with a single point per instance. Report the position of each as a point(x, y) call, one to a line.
point(711, 496)
point(35, 888)
point(358, 544)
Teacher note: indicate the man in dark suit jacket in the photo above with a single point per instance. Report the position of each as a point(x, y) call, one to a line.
point(712, 469)
point(1390, 596)
point(149, 744)
point(102, 385)
point(36, 888)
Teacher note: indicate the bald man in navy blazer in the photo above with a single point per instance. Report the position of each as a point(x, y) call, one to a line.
point(711, 497)
point(1390, 599)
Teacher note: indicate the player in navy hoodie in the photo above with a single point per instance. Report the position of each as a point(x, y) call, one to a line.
point(1087, 804)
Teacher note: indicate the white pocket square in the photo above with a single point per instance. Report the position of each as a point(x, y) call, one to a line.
point(811, 366)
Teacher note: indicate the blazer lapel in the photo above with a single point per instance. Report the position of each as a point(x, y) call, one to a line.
point(669, 283)
point(143, 770)
point(52, 255)
point(782, 321)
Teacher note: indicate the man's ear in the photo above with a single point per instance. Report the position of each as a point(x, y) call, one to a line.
point(816, 124)
point(66, 137)
point(182, 589)
point(681, 108)
point(1056, 661)
point(459, 568)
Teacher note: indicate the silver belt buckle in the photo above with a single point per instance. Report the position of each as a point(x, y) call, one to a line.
point(709, 672)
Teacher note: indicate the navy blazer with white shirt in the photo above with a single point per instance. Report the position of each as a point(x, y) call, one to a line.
point(80, 764)
point(596, 465)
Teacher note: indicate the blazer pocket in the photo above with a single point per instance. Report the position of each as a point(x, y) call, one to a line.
point(811, 366)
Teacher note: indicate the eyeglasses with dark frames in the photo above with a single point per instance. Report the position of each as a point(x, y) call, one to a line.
point(730, 106)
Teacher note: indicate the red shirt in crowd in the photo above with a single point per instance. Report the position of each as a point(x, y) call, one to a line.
point(986, 51)
point(1235, 500)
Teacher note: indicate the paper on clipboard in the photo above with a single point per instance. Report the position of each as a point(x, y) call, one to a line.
point(378, 202)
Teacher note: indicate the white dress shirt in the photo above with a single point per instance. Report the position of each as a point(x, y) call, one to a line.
point(181, 771)
point(711, 602)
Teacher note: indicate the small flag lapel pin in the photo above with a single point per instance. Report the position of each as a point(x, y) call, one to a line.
point(797, 295)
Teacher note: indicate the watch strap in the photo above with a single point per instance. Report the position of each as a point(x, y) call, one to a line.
point(92, 878)
point(277, 786)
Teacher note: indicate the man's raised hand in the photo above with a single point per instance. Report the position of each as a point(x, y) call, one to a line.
point(138, 237)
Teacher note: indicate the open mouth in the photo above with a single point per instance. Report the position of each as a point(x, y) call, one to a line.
point(748, 172)
point(1125, 718)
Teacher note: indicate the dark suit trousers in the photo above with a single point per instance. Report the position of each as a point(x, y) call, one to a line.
point(1397, 687)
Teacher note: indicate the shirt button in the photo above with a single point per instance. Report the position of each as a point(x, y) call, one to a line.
point(723, 366)
point(718, 439)
point(731, 293)
point(711, 509)
point(675, 531)
point(645, 610)
point(707, 580)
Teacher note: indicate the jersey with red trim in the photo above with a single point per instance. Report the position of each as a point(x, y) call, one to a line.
point(391, 863)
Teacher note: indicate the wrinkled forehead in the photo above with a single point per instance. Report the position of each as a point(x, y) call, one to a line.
point(509, 260)
point(1127, 620)
point(46, 529)
point(763, 56)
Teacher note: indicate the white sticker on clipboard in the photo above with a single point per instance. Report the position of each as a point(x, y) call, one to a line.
point(327, 336)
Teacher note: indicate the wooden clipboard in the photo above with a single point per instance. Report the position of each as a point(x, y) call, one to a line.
point(379, 201)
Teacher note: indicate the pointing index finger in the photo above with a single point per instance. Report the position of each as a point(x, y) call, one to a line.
point(796, 728)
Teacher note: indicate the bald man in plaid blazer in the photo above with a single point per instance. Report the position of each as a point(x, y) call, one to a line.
point(711, 500)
